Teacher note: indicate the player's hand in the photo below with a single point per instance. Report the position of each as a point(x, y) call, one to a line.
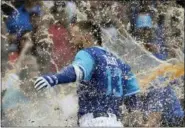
point(45, 82)
point(41, 83)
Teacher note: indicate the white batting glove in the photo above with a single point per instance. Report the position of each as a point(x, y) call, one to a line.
point(45, 82)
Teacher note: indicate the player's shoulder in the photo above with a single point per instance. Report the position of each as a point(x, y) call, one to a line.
point(84, 53)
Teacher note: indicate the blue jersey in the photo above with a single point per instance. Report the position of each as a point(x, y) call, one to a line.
point(165, 101)
point(20, 21)
point(107, 80)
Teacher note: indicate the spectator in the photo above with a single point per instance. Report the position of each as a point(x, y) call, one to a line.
point(143, 29)
point(30, 17)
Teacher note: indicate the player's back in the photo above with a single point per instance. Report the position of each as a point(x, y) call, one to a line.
point(103, 89)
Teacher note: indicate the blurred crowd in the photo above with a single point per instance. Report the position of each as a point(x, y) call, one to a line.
point(36, 36)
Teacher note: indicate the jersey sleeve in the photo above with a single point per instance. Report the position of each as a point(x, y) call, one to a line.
point(131, 84)
point(86, 62)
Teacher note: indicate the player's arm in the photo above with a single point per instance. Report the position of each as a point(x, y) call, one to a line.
point(80, 69)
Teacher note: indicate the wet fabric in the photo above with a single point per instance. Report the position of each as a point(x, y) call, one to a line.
point(164, 100)
point(106, 81)
point(67, 75)
point(89, 121)
point(19, 22)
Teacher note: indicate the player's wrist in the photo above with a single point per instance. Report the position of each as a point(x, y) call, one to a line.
point(51, 79)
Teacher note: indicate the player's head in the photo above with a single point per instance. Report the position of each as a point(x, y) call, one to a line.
point(85, 34)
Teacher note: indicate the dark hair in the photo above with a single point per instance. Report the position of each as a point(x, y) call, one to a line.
point(91, 27)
